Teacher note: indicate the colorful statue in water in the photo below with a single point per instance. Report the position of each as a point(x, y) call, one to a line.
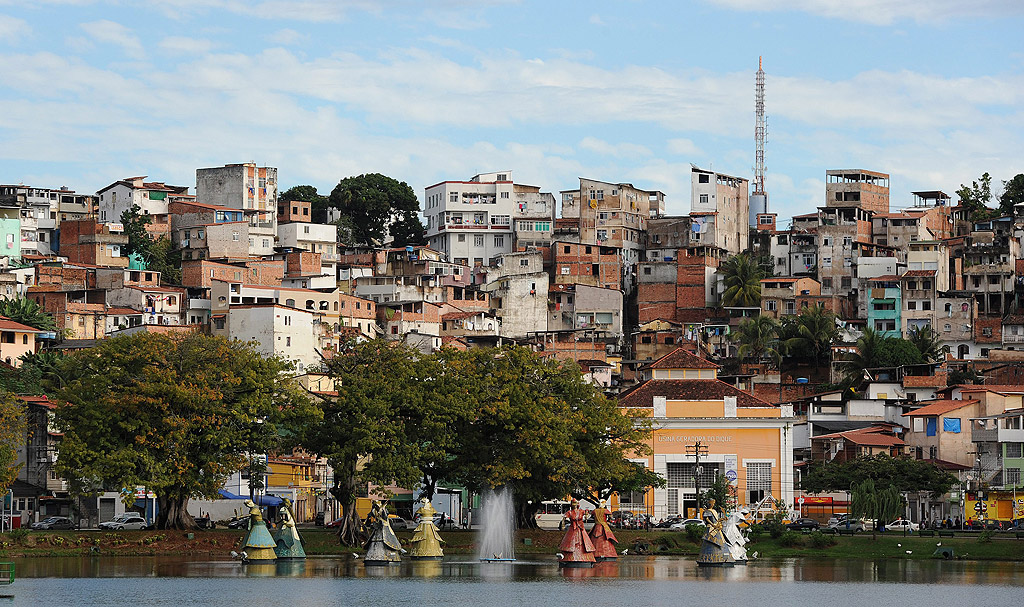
point(259, 545)
point(382, 547)
point(713, 545)
point(576, 548)
point(426, 541)
point(601, 535)
point(735, 547)
point(289, 544)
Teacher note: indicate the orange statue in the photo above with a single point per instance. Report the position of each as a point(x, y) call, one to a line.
point(601, 535)
point(576, 548)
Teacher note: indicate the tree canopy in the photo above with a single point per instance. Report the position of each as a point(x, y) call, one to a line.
point(811, 335)
point(976, 197)
point(27, 312)
point(904, 473)
point(742, 281)
point(159, 254)
point(175, 414)
point(307, 193)
point(12, 436)
point(484, 418)
point(758, 339)
point(379, 206)
point(1013, 194)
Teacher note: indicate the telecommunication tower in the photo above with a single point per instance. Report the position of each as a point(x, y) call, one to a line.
point(760, 130)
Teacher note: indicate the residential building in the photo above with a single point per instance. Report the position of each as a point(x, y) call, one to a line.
point(781, 296)
point(470, 222)
point(518, 294)
point(16, 340)
point(748, 440)
point(582, 306)
point(206, 231)
point(720, 210)
point(88, 241)
point(885, 306)
point(244, 187)
point(533, 217)
point(275, 329)
point(152, 198)
point(577, 263)
point(839, 447)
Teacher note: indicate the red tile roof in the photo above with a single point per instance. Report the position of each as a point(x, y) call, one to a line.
point(939, 407)
point(6, 324)
point(642, 396)
point(918, 273)
point(875, 436)
point(1002, 388)
point(681, 359)
point(924, 381)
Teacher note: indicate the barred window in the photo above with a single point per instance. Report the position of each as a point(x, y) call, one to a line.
point(1012, 477)
point(1014, 450)
point(681, 475)
point(759, 480)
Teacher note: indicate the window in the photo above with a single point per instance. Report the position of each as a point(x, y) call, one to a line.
point(771, 305)
point(499, 241)
point(826, 241)
point(288, 341)
point(524, 263)
point(703, 178)
point(926, 305)
point(1014, 450)
point(765, 220)
point(884, 306)
point(462, 238)
point(986, 331)
point(847, 241)
point(759, 480)
point(846, 282)
point(911, 305)
point(453, 197)
point(826, 283)
point(1011, 477)
point(234, 236)
point(703, 198)
point(847, 262)
point(826, 262)
point(478, 241)
point(647, 270)
point(504, 194)
point(947, 327)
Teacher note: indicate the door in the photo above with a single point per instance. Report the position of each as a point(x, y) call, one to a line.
point(106, 509)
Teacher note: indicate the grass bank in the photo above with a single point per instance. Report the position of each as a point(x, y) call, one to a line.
point(323, 542)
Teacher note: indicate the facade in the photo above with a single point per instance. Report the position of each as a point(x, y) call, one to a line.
point(276, 329)
point(248, 188)
point(748, 441)
point(885, 306)
point(720, 209)
point(16, 340)
point(152, 198)
point(471, 221)
point(782, 296)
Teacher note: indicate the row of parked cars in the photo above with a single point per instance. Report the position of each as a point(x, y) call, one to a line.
point(122, 522)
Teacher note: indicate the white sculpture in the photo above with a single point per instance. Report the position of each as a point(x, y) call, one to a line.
point(734, 538)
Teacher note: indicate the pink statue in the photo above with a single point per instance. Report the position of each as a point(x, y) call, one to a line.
point(602, 536)
point(577, 549)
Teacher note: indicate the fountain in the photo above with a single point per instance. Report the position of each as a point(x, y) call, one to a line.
point(498, 526)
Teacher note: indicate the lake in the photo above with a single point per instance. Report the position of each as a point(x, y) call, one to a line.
point(183, 582)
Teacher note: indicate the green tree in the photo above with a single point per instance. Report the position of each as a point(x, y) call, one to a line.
point(927, 342)
point(758, 339)
point(365, 429)
point(906, 473)
point(307, 193)
point(12, 436)
point(379, 206)
point(976, 197)
point(175, 414)
point(164, 258)
point(45, 367)
point(158, 254)
point(814, 331)
point(27, 312)
point(742, 281)
point(868, 500)
point(139, 239)
point(1013, 194)
point(722, 492)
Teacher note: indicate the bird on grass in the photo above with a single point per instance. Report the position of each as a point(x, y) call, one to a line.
point(909, 551)
point(559, 555)
point(625, 552)
point(939, 544)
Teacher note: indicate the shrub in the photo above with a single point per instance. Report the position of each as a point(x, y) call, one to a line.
point(694, 533)
point(820, 540)
point(986, 536)
point(18, 535)
point(791, 539)
point(775, 529)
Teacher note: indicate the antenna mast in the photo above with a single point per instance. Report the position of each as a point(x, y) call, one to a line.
point(760, 130)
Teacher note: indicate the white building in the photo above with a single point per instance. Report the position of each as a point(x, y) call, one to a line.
point(152, 198)
point(277, 330)
point(249, 188)
point(471, 221)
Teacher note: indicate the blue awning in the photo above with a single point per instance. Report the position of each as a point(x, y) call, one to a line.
point(261, 500)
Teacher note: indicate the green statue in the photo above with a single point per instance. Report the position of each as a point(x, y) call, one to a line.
point(289, 544)
point(259, 545)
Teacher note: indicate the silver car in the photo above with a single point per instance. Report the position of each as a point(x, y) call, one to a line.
point(128, 520)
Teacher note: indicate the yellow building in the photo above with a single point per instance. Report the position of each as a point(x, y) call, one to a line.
point(294, 476)
point(743, 438)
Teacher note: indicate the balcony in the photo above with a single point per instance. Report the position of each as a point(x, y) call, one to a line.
point(1013, 339)
point(995, 435)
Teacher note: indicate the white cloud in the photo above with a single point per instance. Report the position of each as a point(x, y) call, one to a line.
point(185, 45)
point(617, 150)
point(683, 147)
point(13, 29)
point(287, 37)
point(110, 32)
point(885, 12)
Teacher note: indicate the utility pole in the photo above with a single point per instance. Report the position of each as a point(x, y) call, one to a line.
point(697, 450)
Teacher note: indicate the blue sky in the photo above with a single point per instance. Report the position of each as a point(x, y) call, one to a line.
point(929, 91)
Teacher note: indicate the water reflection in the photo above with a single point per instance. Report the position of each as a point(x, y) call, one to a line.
point(930, 572)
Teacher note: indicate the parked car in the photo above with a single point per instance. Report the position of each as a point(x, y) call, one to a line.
point(681, 525)
point(804, 524)
point(55, 522)
point(400, 524)
point(335, 523)
point(668, 522)
point(237, 522)
point(844, 521)
point(126, 521)
point(902, 524)
point(204, 522)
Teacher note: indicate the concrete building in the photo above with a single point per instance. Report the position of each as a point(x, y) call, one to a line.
point(245, 187)
point(152, 198)
point(720, 210)
point(471, 221)
point(585, 307)
point(533, 217)
point(781, 296)
point(277, 330)
point(885, 307)
point(16, 340)
point(88, 241)
point(748, 440)
point(868, 190)
point(577, 263)
point(518, 294)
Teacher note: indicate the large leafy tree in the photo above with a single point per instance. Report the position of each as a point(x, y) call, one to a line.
point(158, 254)
point(1013, 194)
point(812, 334)
point(742, 281)
point(175, 414)
point(758, 339)
point(379, 206)
point(27, 312)
point(976, 197)
point(12, 436)
point(876, 351)
point(877, 501)
point(905, 473)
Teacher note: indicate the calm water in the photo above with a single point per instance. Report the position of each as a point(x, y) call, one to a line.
point(162, 581)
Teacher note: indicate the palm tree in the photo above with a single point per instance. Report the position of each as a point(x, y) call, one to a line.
point(927, 342)
point(742, 281)
point(758, 338)
point(869, 347)
point(27, 312)
point(816, 331)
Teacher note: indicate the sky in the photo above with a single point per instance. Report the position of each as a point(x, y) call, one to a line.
point(929, 91)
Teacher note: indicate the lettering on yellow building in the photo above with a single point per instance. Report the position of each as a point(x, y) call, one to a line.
point(692, 439)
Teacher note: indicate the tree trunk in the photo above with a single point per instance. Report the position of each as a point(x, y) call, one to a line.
point(344, 490)
point(173, 512)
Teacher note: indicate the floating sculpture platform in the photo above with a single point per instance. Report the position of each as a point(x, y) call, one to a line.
point(382, 547)
point(426, 541)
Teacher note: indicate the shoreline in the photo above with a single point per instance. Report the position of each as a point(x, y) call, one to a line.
point(320, 542)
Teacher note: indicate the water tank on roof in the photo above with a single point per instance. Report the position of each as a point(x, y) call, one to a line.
point(801, 380)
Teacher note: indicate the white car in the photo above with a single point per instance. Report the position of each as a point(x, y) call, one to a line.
point(128, 520)
point(901, 525)
point(681, 525)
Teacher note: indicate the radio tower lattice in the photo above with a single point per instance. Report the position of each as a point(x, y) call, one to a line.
point(760, 130)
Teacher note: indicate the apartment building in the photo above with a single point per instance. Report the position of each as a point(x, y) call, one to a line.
point(471, 221)
point(152, 198)
point(533, 217)
point(248, 188)
point(783, 295)
point(720, 210)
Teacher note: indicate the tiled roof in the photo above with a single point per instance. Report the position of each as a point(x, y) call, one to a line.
point(686, 389)
point(6, 324)
point(124, 311)
point(876, 436)
point(1002, 388)
point(939, 407)
point(886, 278)
point(681, 359)
point(1014, 320)
point(918, 273)
point(924, 381)
point(460, 315)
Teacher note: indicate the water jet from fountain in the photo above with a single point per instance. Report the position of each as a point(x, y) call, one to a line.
point(498, 526)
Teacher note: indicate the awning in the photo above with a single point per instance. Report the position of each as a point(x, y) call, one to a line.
point(261, 500)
